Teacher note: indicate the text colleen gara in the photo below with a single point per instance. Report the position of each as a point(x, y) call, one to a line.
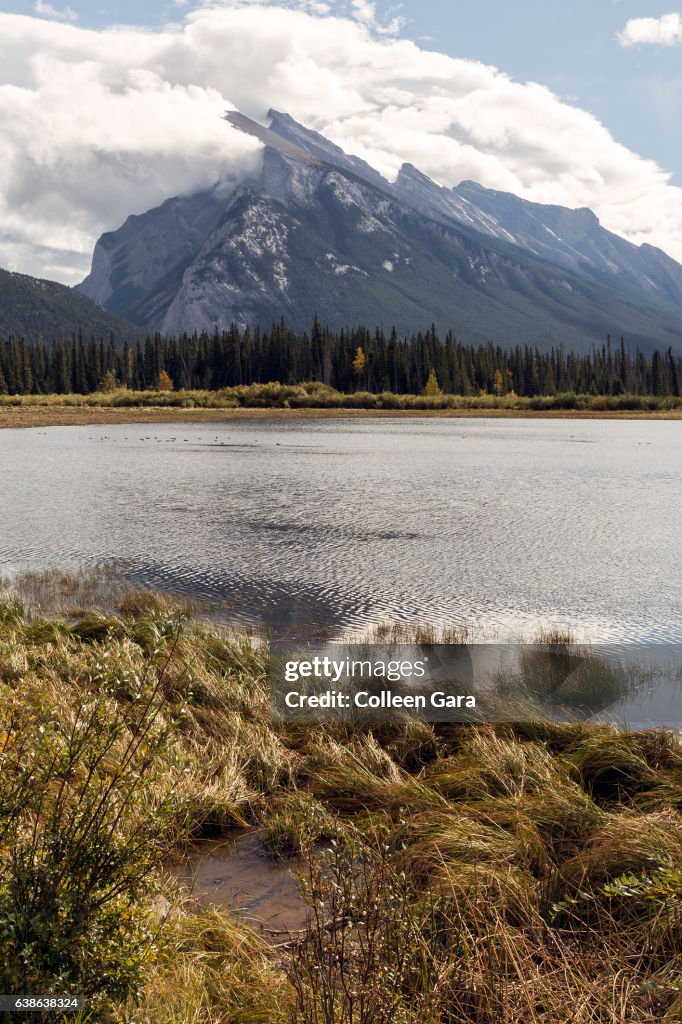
point(385, 699)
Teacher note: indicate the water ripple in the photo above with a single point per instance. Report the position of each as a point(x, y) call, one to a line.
point(506, 525)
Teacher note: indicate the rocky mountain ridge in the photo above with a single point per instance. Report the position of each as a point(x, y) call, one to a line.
point(319, 232)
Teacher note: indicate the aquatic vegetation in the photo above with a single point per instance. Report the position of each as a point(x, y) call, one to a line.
point(475, 874)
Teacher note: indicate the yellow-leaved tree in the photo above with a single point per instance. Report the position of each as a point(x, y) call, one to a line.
point(432, 388)
point(359, 363)
point(108, 382)
point(165, 383)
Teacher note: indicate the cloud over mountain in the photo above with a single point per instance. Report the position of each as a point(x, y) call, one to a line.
point(100, 124)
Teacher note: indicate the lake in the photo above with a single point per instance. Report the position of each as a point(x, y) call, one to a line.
point(505, 524)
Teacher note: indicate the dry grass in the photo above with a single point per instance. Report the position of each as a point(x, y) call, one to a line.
point(308, 400)
point(502, 875)
point(213, 970)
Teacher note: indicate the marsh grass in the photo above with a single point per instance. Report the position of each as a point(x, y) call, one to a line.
point(212, 969)
point(315, 395)
point(517, 874)
point(391, 633)
point(105, 590)
point(555, 671)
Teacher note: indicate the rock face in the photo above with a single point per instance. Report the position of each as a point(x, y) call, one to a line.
point(318, 232)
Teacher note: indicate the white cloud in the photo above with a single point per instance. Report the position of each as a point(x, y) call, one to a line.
point(366, 13)
point(59, 14)
point(99, 124)
point(665, 31)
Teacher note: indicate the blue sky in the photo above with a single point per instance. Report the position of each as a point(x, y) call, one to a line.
point(571, 46)
point(575, 102)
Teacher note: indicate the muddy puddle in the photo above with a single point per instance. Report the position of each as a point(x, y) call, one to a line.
point(238, 874)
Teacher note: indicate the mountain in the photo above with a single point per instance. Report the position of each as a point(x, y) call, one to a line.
point(31, 308)
point(572, 239)
point(317, 231)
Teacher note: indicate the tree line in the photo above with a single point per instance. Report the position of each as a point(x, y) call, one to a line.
point(352, 359)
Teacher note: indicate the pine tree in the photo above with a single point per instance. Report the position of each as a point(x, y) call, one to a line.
point(657, 377)
point(674, 379)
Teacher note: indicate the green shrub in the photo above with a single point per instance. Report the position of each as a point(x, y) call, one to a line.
point(84, 820)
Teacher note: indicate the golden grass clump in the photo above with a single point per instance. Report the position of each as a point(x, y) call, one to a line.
point(488, 764)
point(212, 969)
point(626, 843)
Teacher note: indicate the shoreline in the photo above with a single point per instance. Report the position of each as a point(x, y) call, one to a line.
point(28, 416)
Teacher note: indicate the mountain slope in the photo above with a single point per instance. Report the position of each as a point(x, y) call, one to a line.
point(31, 308)
point(320, 232)
point(572, 239)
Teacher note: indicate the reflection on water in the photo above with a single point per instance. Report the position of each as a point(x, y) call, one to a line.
point(236, 873)
point(505, 524)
